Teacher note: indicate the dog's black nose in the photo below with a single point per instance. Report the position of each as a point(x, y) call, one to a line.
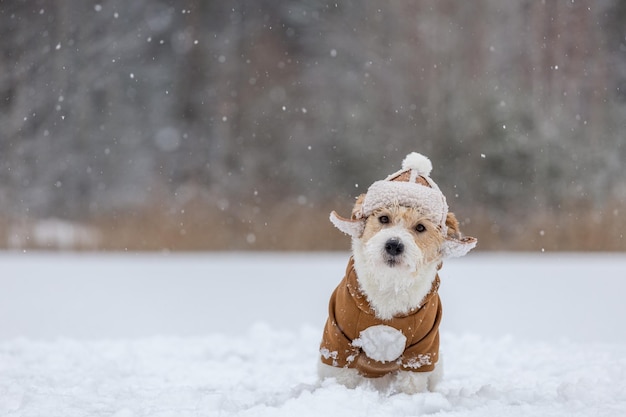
point(394, 247)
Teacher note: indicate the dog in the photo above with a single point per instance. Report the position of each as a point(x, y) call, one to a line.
point(383, 324)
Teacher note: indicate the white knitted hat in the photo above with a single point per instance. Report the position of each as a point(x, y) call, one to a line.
point(412, 187)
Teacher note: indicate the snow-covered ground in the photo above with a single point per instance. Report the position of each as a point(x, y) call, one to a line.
point(237, 334)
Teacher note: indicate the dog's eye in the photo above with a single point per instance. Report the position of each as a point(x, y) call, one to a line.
point(383, 219)
point(420, 228)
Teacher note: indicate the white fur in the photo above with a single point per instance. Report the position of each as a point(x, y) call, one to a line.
point(407, 382)
point(397, 289)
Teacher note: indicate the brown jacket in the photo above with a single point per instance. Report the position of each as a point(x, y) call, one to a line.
point(349, 313)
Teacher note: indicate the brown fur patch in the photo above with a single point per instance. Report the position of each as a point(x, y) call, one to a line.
point(453, 226)
point(357, 209)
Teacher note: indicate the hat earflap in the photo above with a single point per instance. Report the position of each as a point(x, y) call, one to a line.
point(455, 248)
point(350, 227)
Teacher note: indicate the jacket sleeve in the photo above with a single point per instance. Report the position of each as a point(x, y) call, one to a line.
point(336, 348)
point(423, 355)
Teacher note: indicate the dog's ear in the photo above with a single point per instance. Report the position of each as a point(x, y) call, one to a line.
point(455, 245)
point(453, 226)
point(357, 210)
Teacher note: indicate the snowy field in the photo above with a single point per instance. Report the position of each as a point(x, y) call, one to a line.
point(237, 335)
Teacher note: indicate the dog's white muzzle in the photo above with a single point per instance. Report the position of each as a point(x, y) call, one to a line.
point(394, 247)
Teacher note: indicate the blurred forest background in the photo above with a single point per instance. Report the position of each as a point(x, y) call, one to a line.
point(236, 125)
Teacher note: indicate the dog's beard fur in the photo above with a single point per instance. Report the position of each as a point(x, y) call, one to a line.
point(397, 284)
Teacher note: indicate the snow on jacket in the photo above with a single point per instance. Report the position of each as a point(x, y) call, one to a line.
point(349, 313)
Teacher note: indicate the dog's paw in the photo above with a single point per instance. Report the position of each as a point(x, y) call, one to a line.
point(348, 377)
point(410, 382)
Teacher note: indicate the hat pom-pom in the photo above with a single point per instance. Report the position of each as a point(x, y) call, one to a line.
point(418, 162)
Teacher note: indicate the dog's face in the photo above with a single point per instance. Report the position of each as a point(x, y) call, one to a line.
point(400, 237)
point(397, 257)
